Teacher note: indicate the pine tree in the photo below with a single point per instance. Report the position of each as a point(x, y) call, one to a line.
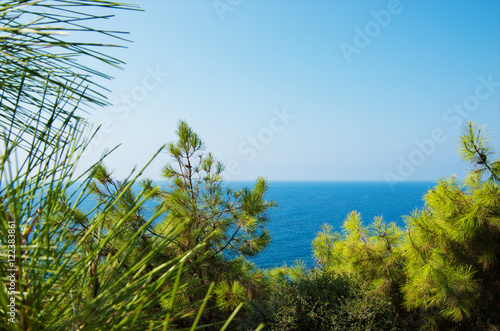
point(231, 224)
point(444, 269)
point(373, 253)
point(453, 244)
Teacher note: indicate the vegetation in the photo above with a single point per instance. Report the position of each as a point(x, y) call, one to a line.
point(217, 226)
point(329, 301)
point(453, 245)
point(230, 223)
point(62, 268)
point(442, 271)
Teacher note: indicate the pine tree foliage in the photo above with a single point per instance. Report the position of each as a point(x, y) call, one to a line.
point(41, 53)
point(62, 268)
point(373, 252)
point(230, 295)
point(231, 223)
point(453, 244)
point(74, 269)
point(234, 219)
point(127, 204)
point(475, 149)
point(444, 269)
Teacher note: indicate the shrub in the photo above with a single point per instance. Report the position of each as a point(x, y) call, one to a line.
point(329, 301)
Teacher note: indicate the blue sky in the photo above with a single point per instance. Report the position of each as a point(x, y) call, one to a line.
point(306, 90)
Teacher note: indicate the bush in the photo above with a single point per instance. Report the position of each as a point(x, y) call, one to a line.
point(328, 301)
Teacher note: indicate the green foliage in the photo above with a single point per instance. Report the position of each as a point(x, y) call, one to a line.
point(475, 149)
point(453, 244)
point(230, 295)
point(41, 63)
point(373, 253)
point(217, 226)
point(234, 219)
point(442, 272)
point(328, 301)
point(70, 269)
point(231, 223)
point(77, 270)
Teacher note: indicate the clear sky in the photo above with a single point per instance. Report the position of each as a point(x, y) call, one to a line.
point(306, 90)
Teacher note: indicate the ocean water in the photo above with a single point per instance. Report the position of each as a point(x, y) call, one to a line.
point(304, 206)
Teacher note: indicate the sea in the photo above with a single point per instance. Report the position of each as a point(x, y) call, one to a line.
point(303, 206)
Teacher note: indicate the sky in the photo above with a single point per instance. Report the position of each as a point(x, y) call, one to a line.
point(304, 90)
